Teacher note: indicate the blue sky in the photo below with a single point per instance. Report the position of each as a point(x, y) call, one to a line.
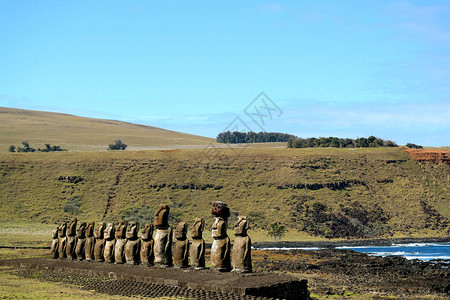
point(335, 68)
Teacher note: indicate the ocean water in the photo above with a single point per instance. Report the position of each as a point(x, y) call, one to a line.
point(422, 251)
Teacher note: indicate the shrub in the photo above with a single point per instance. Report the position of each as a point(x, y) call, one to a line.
point(73, 205)
point(276, 230)
point(413, 146)
point(49, 148)
point(118, 145)
point(26, 147)
point(12, 148)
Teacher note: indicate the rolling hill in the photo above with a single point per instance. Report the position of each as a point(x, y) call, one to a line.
point(84, 134)
point(326, 193)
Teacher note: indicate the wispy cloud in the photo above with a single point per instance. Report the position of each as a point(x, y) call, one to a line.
point(424, 21)
point(271, 7)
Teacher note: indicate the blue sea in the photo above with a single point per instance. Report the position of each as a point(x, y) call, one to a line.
point(421, 251)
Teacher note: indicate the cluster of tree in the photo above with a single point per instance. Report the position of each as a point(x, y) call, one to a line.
point(118, 145)
point(276, 230)
point(236, 137)
point(413, 146)
point(335, 142)
point(27, 148)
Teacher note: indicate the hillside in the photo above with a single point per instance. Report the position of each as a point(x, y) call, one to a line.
point(84, 134)
point(328, 192)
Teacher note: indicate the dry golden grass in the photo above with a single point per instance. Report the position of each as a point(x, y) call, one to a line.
point(131, 184)
point(84, 134)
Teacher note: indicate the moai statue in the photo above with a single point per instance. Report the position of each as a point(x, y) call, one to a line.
point(147, 254)
point(241, 256)
point(163, 237)
point(133, 244)
point(197, 248)
point(55, 243)
point(181, 249)
point(81, 241)
point(221, 246)
point(119, 248)
point(109, 237)
point(90, 241)
point(71, 239)
point(62, 240)
point(99, 242)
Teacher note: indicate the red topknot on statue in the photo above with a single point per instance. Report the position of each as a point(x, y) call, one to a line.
point(220, 209)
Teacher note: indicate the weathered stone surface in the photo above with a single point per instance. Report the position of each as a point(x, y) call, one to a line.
point(181, 248)
point(55, 242)
point(119, 248)
point(162, 216)
point(221, 246)
point(147, 254)
point(133, 244)
point(241, 254)
point(197, 248)
point(90, 242)
point(163, 237)
point(99, 242)
point(256, 284)
point(81, 241)
point(62, 240)
point(110, 241)
point(220, 209)
point(71, 239)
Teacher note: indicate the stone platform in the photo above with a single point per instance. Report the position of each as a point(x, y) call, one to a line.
point(253, 284)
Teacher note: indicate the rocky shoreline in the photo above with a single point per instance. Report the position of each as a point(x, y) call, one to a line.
point(342, 271)
point(348, 243)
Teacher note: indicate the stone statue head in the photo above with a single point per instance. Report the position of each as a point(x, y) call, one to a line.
point(55, 232)
point(62, 229)
point(121, 229)
point(90, 229)
point(132, 230)
point(220, 209)
point(162, 216)
point(98, 233)
point(219, 228)
point(147, 232)
point(241, 226)
point(197, 228)
point(81, 231)
point(181, 230)
point(72, 228)
point(108, 233)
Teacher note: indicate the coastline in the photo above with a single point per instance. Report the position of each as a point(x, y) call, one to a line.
point(349, 243)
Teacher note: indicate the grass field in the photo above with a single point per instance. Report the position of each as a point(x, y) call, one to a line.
point(84, 134)
point(378, 192)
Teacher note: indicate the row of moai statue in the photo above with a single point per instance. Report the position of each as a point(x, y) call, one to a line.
point(122, 244)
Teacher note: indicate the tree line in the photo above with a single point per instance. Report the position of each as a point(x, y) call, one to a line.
point(236, 137)
point(27, 148)
point(336, 142)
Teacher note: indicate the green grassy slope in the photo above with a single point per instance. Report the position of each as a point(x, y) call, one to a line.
point(323, 192)
point(78, 133)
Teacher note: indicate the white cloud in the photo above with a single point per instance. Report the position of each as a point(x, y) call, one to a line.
point(271, 7)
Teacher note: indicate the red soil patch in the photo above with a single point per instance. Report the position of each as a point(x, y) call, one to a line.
point(429, 156)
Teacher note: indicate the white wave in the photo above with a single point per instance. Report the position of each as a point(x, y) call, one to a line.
point(390, 253)
point(289, 248)
point(422, 245)
point(426, 257)
point(358, 247)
